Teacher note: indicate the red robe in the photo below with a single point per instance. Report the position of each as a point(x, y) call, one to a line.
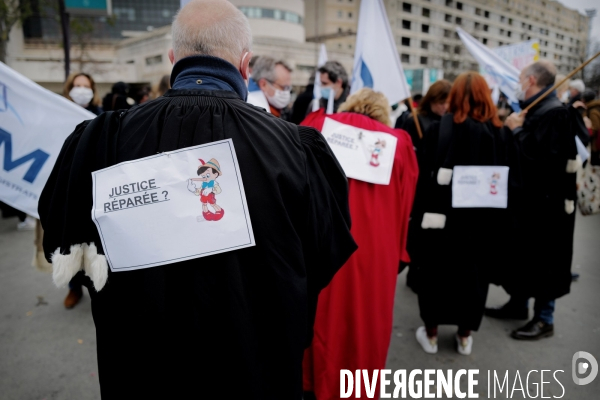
point(354, 316)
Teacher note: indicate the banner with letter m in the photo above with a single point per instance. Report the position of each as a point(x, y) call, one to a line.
point(34, 123)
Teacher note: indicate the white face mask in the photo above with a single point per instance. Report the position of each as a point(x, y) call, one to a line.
point(564, 97)
point(81, 95)
point(280, 99)
point(520, 92)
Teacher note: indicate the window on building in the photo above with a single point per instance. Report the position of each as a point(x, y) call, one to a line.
point(529, 27)
point(405, 41)
point(457, 49)
point(500, 43)
point(446, 48)
point(474, 67)
point(425, 28)
point(485, 28)
point(459, 6)
point(447, 33)
point(486, 14)
point(154, 60)
point(477, 25)
point(423, 60)
point(407, 7)
point(523, 24)
point(458, 21)
point(455, 64)
point(502, 18)
point(426, 12)
point(449, 3)
point(502, 31)
point(448, 18)
point(446, 64)
point(405, 24)
point(340, 14)
point(510, 21)
point(349, 15)
point(405, 58)
point(424, 44)
point(509, 33)
point(478, 11)
point(484, 40)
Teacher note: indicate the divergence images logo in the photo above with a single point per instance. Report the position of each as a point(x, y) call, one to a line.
point(581, 367)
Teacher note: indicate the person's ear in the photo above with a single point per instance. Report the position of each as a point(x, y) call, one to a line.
point(532, 80)
point(244, 65)
point(262, 84)
point(171, 56)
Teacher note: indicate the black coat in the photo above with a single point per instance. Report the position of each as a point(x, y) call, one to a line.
point(543, 233)
point(230, 325)
point(454, 265)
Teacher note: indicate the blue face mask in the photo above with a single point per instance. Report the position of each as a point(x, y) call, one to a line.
point(325, 91)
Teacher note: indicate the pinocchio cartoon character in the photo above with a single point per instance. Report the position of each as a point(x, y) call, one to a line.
point(494, 183)
point(379, 146)
point(208, 173)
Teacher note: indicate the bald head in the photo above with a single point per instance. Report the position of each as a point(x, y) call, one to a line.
point(543, 71)
point(211, 27)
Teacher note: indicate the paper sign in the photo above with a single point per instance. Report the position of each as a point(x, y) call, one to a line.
point(479, 187)
point(364, 155)
point(172, 207)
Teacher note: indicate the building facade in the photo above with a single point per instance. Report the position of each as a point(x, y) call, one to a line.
point(425, 34)
point(132, 44)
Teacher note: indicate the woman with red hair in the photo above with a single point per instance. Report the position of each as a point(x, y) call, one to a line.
point(452, 248)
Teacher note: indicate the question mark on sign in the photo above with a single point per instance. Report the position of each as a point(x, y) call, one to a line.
point(165, 193)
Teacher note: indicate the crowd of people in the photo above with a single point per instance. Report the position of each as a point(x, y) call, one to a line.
point(316, 293)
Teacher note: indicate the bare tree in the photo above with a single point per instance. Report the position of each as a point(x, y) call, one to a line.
point(11, 12)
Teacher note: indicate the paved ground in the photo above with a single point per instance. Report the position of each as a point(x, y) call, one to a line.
point(47, 352)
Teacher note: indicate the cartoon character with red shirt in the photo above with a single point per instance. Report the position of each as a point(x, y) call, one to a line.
point(494, 183)
point(208, 173)
point(379, 146)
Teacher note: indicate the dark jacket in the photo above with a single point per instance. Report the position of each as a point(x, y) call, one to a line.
point(543, 207)
point(173, 331)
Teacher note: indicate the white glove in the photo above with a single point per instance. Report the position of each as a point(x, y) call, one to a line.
point(191, 186)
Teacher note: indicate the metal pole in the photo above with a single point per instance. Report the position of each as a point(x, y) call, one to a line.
point(64, 22)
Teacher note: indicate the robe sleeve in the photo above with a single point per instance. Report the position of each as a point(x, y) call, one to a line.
point(71, 241)
point(409, 174)
point(328, 243)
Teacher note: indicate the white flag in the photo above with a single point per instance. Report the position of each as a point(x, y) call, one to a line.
point(34, 123)
point(376, 61)
point(501, 73)
point(317, 87)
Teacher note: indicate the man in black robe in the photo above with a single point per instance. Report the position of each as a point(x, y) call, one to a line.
point(231, 325)
point(543, 205)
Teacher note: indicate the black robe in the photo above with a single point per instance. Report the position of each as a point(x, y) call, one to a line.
point(453, 265)
point(543, 228)
point(232, 325)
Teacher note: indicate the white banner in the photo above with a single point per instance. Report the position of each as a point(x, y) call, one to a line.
point(317, 87)
point(34, 123)
point(521, 54)
point(364, 155)
point(171, 207)
point(376, 61)
point(498, 72)
point(479, 187)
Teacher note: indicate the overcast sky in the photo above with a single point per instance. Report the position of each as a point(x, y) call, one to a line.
point(581, 6)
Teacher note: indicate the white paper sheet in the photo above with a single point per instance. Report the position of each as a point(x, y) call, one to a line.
point(149, 212)
point(364, 155)
point(479, 187)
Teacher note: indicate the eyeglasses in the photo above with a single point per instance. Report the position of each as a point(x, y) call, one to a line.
point(278, 86)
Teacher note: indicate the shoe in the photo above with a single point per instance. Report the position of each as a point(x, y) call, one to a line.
point(428, 344)
point(73, 298)
point(27, 225)
point(218, 215)
point(207, 215)
point(507, 312)
point(464, 345)
point(574, 276)
point(533, 330)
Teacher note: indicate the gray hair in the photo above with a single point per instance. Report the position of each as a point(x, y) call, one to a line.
point(211, 27)
point(543, 71)
point(578, 85)
point(335, 71)
point(264, 67)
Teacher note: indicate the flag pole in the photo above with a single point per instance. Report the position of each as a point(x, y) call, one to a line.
point(414, 114)
point(556, 85)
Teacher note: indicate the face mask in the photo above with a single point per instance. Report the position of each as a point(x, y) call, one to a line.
point(81, 95)
point(564, 97)
point(520, 93)
point(325, 91)
point(281, 99)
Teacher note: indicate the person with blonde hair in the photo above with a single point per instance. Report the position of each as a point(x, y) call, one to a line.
point(354, 316)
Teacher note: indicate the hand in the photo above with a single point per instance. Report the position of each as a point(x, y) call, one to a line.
point(587, 122)
point(579, 104)
point(515, 120)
